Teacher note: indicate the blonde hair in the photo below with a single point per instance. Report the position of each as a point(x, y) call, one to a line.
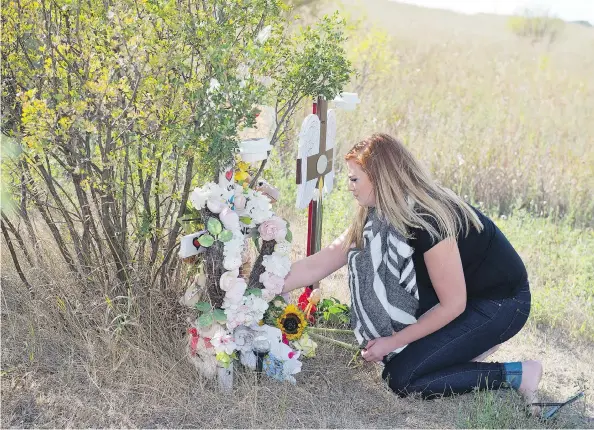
point(405, 193)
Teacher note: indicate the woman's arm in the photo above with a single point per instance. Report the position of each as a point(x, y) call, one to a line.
point(316, 267)
point(447, 276)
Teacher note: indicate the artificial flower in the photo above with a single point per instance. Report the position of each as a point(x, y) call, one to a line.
point(273, 229)
point(278, 264)
point(303, 299)
point(242, 171)
point(237, 314)
point(229, 218)
point(306, 306)
point(257, 308)
point(272, 282)
point(283, 248)
point(280, 302)
point(198, 197)
point(216, 204)
point(236, 292)
point(223, 342)
point(232, 262)
point(228, 279)
point(306, 345)
point(268, 295)
point(292, 322)
point(234, 247)
point(258, 208)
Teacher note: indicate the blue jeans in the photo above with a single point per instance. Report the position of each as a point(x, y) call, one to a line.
point(440, 363)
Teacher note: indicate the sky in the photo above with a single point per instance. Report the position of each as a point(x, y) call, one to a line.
point(568, 10)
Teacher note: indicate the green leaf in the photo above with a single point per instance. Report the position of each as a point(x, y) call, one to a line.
point(256, 240)
point(219, 315)
point(202, 306)
point(206, 240)
point(245, 220)
point(254, 291)
point(205, 320)
point(214, 226)
point(226, 236)
point(289, 236)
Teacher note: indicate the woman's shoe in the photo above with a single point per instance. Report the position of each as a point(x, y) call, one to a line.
point(550, 413)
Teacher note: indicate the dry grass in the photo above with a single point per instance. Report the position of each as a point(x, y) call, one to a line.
point(505, 122)
point(69, 366)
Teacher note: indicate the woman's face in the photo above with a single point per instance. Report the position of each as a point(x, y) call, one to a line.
point(360, 185)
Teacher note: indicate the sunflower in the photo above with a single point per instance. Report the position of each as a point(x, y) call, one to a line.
point(292, 322)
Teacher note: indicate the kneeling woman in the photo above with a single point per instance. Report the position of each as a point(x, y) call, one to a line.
point(435, 285)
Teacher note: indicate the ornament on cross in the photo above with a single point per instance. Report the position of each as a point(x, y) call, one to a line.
point(315, 162)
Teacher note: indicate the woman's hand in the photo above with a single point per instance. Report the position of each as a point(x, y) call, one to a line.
point(316, 267)
point(378, 348)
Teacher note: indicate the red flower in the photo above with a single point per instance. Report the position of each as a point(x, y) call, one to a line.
point(304, 299)
point(285, 340)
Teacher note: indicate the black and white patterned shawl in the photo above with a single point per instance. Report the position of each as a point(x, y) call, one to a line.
point(382, 280)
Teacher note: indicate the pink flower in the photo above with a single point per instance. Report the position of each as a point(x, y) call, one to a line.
point(273, 229)
point(272, 282)
point(229, 218)
point(240, 201)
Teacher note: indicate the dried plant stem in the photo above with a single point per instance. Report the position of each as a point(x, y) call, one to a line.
point(334, 341)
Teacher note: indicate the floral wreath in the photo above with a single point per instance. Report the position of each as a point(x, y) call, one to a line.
point(243, 308)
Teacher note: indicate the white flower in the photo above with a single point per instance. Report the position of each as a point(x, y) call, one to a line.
point(232, 262)
point(236, 292)
point(258, 208)
point(236, 314)
point(283, 248)
point(248, 313)
point(257, 307)
point(278, 264)
point(216, 204)
point(264, 34)
point(228, 279)
point(223, 342)
point(198, 197)
point(234, 247)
